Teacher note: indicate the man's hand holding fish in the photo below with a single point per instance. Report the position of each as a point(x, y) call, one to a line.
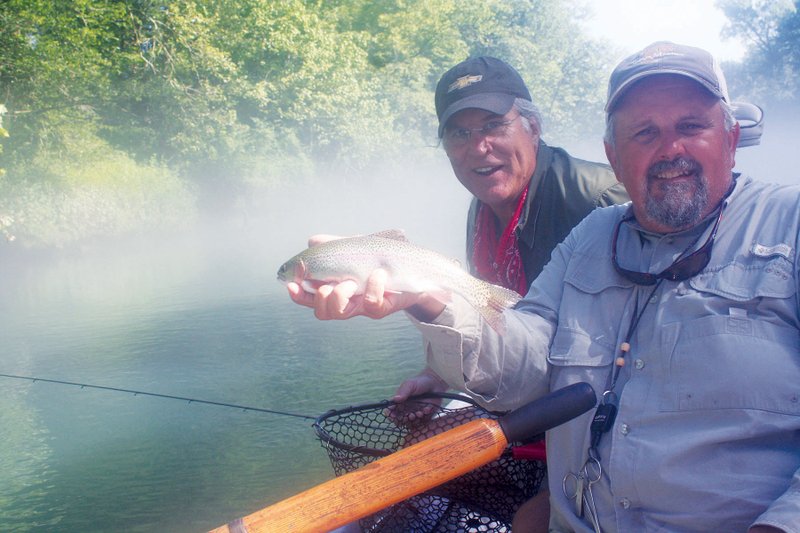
point(343, 300)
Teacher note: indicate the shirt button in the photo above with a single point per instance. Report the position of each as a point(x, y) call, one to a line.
point(625, 429)
point(625, 503)
point(639, 364)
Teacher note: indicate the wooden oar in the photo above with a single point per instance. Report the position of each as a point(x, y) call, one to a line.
point(415, 469)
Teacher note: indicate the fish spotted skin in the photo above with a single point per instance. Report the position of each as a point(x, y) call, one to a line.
point(411, 268)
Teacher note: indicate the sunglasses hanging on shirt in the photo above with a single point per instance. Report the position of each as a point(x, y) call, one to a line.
point(682, 269)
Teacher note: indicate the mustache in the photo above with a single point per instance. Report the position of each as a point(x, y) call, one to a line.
point(682, 165)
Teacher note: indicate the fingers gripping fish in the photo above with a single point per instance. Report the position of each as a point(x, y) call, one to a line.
point(411, 268)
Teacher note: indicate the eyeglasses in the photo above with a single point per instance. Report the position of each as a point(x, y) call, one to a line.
point(680, 270)
point(494, 129)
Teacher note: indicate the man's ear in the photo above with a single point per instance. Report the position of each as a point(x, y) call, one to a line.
point(734, 140)
point(611, 155)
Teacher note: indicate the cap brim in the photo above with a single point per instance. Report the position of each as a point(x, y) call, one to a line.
point(499, 103)
point(622, 89)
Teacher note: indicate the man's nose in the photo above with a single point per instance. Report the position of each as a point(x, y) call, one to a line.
point(673, 144)
point(479, 142)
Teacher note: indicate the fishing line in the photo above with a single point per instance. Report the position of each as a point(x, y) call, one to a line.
point(157, 395)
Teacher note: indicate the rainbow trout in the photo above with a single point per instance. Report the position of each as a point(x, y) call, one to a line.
point(411, 269)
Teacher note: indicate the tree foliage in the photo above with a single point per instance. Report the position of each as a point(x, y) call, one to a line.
point(770, 70)
point(236, 96)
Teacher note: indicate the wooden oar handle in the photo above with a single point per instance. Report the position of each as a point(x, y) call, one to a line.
point(382, 483)
point(415, 469)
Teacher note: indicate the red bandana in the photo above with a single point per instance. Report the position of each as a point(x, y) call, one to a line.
point(500, 262)
point(496, 261)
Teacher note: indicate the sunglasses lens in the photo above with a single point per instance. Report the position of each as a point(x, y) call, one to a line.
point(689, 266)
point(681, 270)
point(639, 278)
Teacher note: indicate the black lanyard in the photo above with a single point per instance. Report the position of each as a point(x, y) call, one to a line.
point(606, 412)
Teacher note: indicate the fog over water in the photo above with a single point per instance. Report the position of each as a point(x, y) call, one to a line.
point(428, 203)
point(197, 314)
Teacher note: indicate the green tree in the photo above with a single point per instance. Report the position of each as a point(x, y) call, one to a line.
point(239, 97)
point(770, 70)
point(56, 61)
point(5, 219)
point(412, 42)
point(3, 133)
point(65, 181)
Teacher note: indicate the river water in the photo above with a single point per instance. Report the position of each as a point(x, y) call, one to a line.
point(198, 315)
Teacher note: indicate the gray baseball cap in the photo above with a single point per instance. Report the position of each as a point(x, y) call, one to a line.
point(664, 57)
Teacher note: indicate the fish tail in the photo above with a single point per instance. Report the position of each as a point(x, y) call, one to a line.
point(498, 300)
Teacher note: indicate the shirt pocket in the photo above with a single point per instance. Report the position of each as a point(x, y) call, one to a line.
point(749, 278)
point(744, 354)
point(584, 346)
point(574, 356)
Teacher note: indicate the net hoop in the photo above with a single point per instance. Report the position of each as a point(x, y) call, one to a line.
point(322, 427)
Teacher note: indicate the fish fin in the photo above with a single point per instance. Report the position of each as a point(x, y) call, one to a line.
point(498, 301)
point(394, 234)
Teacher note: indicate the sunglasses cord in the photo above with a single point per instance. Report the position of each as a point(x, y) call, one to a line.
point(606, 412)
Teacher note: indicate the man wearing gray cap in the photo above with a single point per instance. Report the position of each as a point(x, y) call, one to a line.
point(680, 309)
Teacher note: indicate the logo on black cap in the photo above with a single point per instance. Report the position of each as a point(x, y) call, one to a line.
point(463, 82)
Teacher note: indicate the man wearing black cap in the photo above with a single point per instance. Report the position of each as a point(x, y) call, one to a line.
point(527, 196)
point(680, 309)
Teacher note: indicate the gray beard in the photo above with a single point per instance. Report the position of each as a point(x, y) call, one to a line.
point(682, 205)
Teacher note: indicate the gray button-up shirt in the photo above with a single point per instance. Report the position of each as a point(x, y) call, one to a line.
point(707, 437)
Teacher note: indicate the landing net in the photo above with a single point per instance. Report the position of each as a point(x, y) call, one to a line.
point(483, 500)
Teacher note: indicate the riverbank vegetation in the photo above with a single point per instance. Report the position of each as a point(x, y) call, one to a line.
point(124, 115)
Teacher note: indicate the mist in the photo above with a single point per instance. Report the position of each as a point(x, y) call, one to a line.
point(425, 200)
point(772, 160)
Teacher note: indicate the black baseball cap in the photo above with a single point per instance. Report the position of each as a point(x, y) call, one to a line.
point(481, 83)
point(664, 57)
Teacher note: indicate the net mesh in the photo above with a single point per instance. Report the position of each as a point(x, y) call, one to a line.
point(483, 500)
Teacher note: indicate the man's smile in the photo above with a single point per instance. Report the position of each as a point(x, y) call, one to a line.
point(487, 170)
point(668, 170)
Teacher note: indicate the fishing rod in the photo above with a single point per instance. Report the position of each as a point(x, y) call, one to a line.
point(157, 395)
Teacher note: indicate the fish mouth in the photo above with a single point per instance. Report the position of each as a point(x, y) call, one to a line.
point(283, 272)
